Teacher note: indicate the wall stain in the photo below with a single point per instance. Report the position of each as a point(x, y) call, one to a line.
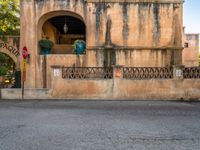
point(156, 26)
point(141, 17)
point(39, 4)
point(100, 8)
point(84, 8)
point(125, 30)
point(75, 5)
point(68, 4)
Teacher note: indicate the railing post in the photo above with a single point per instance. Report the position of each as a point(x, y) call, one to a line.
point(178, 71)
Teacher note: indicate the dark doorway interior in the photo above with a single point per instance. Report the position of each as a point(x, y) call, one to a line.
point(75, 25)
point(63, 31)
point(75, 29)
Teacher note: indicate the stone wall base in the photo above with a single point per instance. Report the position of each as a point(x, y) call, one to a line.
point(16, 94)
point(118, 89)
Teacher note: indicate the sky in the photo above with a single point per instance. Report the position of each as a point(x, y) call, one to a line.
point(191, 16)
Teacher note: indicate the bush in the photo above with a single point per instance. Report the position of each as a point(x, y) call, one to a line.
point(3, 70)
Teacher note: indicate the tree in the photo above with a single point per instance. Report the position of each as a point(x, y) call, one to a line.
point(9, 17)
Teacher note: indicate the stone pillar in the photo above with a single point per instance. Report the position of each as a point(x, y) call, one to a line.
point(28, 38)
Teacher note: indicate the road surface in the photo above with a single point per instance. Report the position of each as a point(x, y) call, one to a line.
point(99, 125)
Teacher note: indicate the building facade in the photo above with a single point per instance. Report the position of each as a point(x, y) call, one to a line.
point(131, 33)
point(191, 50)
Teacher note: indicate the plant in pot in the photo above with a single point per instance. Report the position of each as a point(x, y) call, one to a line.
point(45, 46)
point(79, 47)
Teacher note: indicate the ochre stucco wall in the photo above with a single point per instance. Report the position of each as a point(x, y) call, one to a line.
point(143, 33)
point(124, 89)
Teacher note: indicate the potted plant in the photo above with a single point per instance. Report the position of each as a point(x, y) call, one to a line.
point(79, 47)
point(46, 46)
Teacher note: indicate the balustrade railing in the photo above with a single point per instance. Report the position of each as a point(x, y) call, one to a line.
point(191, 73)
point(87, 72)
point(148, 72)
point(137, 73)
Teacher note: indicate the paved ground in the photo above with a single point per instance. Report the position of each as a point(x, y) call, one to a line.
point(99, 125)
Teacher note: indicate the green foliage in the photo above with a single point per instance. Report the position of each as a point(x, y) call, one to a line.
point(6, 64)
point(3, 70)
point(45, 43)
point(9, 17)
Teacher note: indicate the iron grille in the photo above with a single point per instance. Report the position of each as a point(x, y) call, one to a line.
point(87, 72)
point(148, 73)
point(191, 73)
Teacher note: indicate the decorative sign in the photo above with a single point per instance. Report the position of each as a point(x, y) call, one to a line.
point(24, 65)
point(56, 72)
point(179, 73)
point(117, 73)
point(25, 53)
point(10, 48)
point(24, 69)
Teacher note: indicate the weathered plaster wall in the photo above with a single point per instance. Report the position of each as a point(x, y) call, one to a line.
point(63, 60)
point(28, 38)
point(137, 24)
point(145, 58)
point(123, 89)
point(153, 27)
point(118, 89)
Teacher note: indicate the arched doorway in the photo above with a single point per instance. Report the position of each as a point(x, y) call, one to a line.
point(52, 25)
point(10, 74)
point(63, 29)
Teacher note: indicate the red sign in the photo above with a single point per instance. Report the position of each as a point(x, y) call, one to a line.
point(118, 73)
point(25, 53)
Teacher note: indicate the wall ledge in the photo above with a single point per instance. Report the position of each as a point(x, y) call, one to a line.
point(135, 1)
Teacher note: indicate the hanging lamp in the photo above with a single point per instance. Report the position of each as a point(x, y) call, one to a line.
point(65, 27)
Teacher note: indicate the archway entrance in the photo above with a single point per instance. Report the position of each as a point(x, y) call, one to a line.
point(10, 74)
point(63, 30)
point(7, 71)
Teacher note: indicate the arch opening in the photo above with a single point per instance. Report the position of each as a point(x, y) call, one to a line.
point(63, 31)
point(7, 70)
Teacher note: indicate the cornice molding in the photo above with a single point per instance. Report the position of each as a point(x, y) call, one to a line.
point(134, 1)
point(135, 48)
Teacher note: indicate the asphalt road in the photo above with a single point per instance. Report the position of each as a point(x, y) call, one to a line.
point(99, 125)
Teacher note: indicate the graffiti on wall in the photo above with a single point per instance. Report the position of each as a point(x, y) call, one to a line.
point(10, 48)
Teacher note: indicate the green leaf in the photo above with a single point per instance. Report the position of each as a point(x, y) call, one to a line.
point(9, 17)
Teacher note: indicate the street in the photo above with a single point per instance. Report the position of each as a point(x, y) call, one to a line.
point(99, 125)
